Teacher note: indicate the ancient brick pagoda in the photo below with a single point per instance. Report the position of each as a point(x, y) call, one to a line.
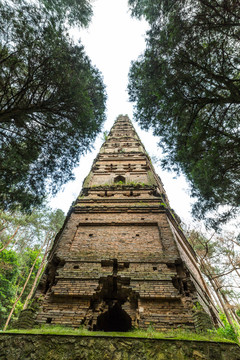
point(121, 259)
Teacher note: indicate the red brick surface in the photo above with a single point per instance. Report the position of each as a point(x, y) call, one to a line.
point(121, 244)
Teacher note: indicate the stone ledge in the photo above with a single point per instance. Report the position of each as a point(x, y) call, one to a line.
point(76, 347)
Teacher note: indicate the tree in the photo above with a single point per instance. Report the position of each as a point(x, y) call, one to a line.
point(9, 273)
point(23, 256)
point(219, 257)
point(26, 282)
point(52, 100)
point(39, 272)
point(22, 230)
point(187, 88)
point(75, 12)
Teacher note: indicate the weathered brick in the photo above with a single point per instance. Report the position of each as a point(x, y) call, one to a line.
point(121, 248)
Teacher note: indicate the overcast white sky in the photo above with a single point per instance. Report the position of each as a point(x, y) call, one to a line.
point(112, 41)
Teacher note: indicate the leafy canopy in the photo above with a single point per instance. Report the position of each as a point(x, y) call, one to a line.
point(52, 99)
point(76, 12)
point(187, 89)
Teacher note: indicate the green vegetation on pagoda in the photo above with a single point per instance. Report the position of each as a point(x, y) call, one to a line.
point(220, 335)
point(52, 99)
point(187, 89)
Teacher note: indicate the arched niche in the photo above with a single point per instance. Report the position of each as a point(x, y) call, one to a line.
point(119, 178)
point(115, 319)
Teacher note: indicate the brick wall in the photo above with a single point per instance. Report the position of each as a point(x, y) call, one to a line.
point(121, 248)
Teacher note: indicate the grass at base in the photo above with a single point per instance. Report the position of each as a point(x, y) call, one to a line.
point(150, 334)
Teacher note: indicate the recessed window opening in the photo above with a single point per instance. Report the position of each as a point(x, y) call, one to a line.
point(49, 320)
point(154, 268)
point(119, 179)
point(90, 235)
point(76, 267)
point(137, 235)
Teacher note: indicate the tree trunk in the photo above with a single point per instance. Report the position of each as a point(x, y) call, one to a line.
point(233, 265)
point(37, 275)
point(24, 286)
point(216, 286)
point(8, 242)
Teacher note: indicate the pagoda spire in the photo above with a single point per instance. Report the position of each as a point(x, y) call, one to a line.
point(123, 164)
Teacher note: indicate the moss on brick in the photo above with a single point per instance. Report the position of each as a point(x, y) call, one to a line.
point(65, 347)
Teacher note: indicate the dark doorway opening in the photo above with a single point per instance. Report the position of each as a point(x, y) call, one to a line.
point(115, 319)
point(119, 178)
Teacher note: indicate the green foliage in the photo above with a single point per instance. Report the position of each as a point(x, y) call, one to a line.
point(122, 184)
point(187, 86)
point(218, 257)
point(179, 334)
point(9, 272)
point(136, 184)
point(119, 183)
point(28, 230)
point(105, 135)
point(52, 101)
point(197, 306)
point(14, 269)
point(228, 332)
point(145, 8)
point(75, 12)
point(18, 257)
